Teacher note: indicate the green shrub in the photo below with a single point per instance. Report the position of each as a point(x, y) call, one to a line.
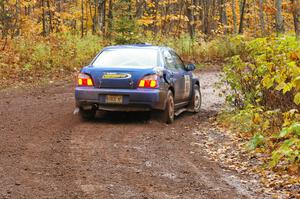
point(199, 50)
point(61, 52)
point(288, 146)
point(266, 73)
point(264, 77)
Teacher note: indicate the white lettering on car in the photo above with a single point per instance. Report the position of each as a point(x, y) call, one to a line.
point(187, 86)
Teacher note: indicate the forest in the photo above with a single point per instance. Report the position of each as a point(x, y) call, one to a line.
point(197, 18)
point(255, 43)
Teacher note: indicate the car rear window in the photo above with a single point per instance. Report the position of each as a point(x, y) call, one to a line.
point(137, 58)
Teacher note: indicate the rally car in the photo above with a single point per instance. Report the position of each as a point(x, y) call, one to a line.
point(139, 77)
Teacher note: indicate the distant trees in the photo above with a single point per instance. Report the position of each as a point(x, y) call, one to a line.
point(158, 17)
point(233, 10)
point(243, 7)
point(296, 17)
point(9, 20)
point(262, 17)
point(279, 17)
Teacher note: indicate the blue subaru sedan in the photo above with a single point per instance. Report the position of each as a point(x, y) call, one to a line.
point(138, 77)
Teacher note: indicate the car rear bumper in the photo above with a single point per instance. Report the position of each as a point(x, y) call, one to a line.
point(133, 99)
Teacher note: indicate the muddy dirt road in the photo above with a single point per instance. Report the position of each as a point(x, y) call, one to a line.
point(47, 152)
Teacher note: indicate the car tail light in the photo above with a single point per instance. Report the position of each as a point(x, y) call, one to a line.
point(84, 80)
point(149, 81)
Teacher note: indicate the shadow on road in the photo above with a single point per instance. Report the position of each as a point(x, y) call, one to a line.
point(146, 117)
point(122, 117)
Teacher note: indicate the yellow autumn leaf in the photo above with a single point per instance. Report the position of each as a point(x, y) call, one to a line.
point(296, 82)
point(257, 118)
point(267, 82)
point(287, 87)
point(297, 98)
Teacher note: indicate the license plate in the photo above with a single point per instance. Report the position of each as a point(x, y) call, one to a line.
point(114, 99)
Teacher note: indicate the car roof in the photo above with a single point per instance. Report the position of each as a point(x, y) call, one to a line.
point(133, 46)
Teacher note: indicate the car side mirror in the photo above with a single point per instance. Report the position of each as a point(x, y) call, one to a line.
point(190, 67)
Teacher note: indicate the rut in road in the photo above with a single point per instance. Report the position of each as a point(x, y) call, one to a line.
point(47, 152)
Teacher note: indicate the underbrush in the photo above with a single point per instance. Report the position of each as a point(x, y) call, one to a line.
point(29, 59)
point(198, 50)
point(33, 58)
point(264, 79)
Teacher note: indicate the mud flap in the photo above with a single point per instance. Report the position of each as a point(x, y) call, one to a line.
point(178, 112)
point(76, 111)
point(190, 110)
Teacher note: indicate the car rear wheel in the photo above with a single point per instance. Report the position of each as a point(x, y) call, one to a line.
point(196, 100)
point(169, 112)
point(87, 114)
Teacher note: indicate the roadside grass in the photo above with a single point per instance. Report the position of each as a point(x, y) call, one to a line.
point(30, 60)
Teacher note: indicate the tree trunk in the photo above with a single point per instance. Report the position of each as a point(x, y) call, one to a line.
point(197, 14)
point(129, 10)
point(177, 32)
point(296, 16)
point(279, 17)
point(222, 13)
point(3, 30)
point(82, 18)
point(93, 17)
point(241, 28)
point(86, 17)
point(189, 13)
point(167, 12)
point(139, 8)
point(262, 17)
point(101, 15)
point(233, 8)
point(43, 19)
point(110, 15)
point(59, 10)
point(156, 28)
point(16, 30)
point(50, 16)
point(206, 16)
point(2, 10)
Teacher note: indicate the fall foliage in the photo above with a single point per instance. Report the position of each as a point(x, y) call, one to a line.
point(167, 17)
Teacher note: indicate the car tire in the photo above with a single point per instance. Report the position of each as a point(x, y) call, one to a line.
point(87, 115)
point(196, 100)
point(167, 116)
